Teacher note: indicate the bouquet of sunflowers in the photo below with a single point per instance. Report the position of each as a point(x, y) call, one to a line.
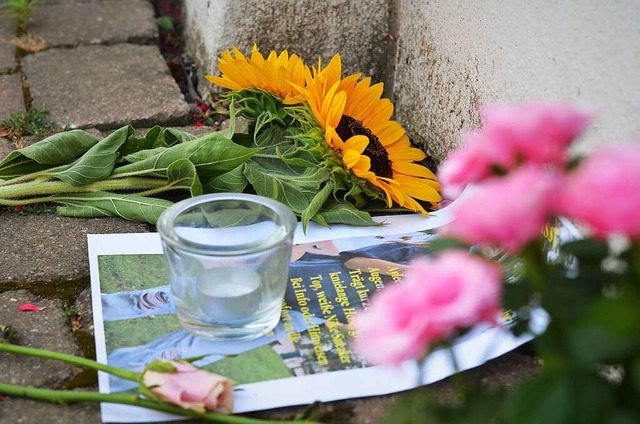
point(323, 145)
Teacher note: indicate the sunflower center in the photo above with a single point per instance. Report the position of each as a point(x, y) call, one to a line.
point(380, 163)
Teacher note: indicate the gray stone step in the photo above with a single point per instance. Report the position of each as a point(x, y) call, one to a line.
point(46, 329)
point(105, 22)
point(105, 87)
point(7, 49)
point(44, 252)
point(10, 95)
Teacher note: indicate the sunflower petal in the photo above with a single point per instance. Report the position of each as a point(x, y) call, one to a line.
point(413, 169)
point(357, 143)
point(350, 158)
point(275, 74)
point(419, 188)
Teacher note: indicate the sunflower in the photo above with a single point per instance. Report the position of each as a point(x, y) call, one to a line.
point(357, 124)
point(275, 74)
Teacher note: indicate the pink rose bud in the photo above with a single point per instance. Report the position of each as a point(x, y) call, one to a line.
point(604, 191)
point(437, 297)
point(181, 383)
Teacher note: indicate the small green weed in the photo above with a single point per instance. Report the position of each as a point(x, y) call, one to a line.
point(22, 10)
point(70, 310)
point(21, 124)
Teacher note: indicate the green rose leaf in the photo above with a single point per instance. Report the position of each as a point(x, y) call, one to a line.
point(160, 366)
point(586, 248)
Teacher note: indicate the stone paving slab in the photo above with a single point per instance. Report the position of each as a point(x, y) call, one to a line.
point(45, 329)
point(6, 146)
point(105, 87)
point(7, 49)
point(10, 95)
point(24, 411)
point(47, 253)
point(105, 22)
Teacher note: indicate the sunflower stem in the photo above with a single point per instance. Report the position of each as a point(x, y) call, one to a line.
point(40, 188)
point(33, 176)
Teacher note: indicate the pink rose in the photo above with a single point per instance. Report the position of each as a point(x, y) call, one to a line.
point(437, 296)
point(182, 384)
point(538, 133)
point(534, 133)
point(604, 191)
point(508, 212)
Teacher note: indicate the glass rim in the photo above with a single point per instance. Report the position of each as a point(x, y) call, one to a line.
point(166, 228)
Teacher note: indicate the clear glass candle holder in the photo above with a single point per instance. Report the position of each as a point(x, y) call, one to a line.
point(228, 258)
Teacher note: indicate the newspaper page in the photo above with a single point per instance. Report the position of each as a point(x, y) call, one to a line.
point(334, 273)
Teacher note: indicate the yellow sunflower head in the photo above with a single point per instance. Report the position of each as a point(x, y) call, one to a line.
point(275, 74)
point(357, 124)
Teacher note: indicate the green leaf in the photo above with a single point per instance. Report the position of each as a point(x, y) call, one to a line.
point(98, 162)
point(233, 181)
point(586, 248)
point(154, 138)
point(212, 155)
point(540, 400)
point(518, 295)
point(173, 136)
point(127, 206)
point(231, 217)
point(268, 136)
point(345, 213)
point(316, 203)
point(473, 405)
point(81, 210)
point(58, 149)
point(165, 22)
point(182, 175)
point(144, 154)
point(609, 333)
point(309, 177)
point(300, 159)
point(288, 190)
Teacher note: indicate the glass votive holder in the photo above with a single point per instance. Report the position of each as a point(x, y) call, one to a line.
point(228, 258)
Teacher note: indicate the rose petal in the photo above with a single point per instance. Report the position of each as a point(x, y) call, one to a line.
point(30, 307)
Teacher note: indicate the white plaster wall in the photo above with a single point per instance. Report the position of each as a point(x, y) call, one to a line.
point(355, 28)
point(204, 24)
point(454, 55)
